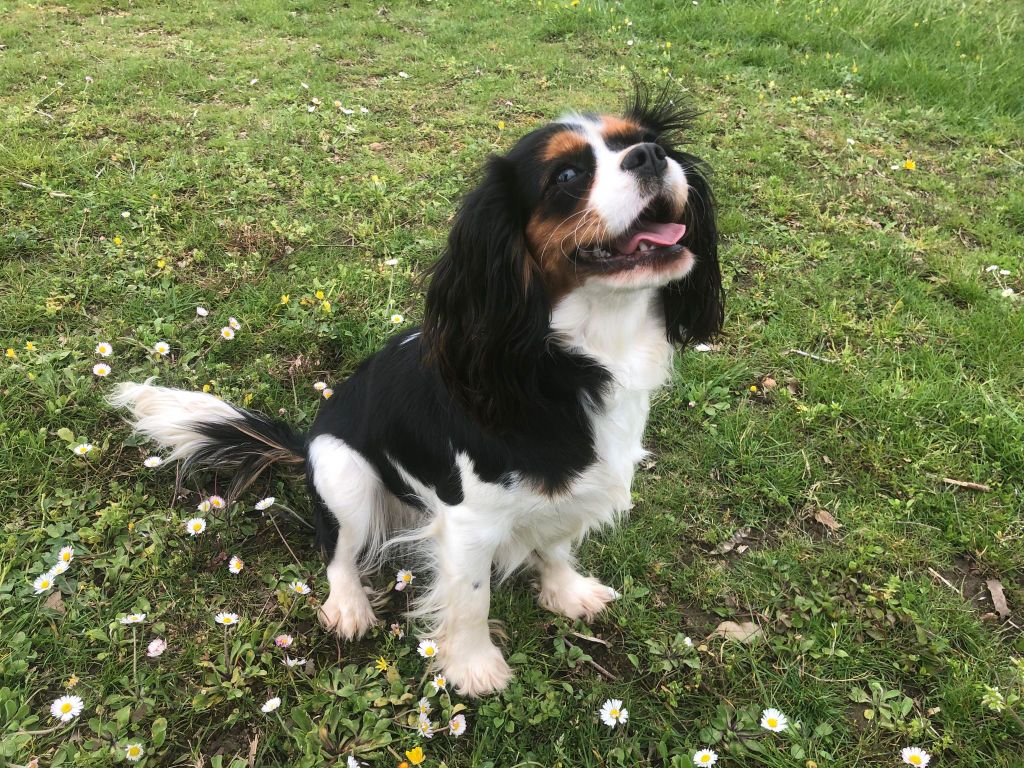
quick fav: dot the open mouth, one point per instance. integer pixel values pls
(646, 242)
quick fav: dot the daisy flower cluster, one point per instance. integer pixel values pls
(45, 582)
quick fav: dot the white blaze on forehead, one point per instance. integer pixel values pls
(615, 194)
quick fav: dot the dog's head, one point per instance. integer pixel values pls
(600, 198)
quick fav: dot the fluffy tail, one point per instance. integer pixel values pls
(205, 432)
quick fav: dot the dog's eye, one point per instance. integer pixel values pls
(566, 175)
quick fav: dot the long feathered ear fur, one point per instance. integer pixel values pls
(695, 305)
(487, 313)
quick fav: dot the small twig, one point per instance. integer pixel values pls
(285, 541)
(594, 664)
(811, 355)
(944, 580)
(967, 484)
(590, 639)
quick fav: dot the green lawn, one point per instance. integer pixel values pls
(868, 160)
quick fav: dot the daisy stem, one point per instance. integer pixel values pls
(226, 664)
(135, 662)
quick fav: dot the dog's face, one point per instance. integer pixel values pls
(609, 195)
(602, 198)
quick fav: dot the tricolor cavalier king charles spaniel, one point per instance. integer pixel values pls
(510, 424)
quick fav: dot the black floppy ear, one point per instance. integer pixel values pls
(695, 305)
(487, 313)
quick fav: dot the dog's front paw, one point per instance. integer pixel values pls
(479, 673)
(350, 617)
(576, 596)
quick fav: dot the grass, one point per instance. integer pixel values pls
(194, 120)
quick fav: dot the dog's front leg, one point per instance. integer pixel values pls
(460, 601)
(565, 590)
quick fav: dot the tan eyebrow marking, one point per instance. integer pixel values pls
(564, 144)
(615, 128)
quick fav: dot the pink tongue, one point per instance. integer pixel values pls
(655, 234)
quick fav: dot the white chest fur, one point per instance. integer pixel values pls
(623, 331)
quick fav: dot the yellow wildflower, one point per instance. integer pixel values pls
(909, 165)
(415, 755)
(382, 664)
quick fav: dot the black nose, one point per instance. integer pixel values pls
(646, 160)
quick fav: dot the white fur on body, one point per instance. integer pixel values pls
(496, 527)
(503, 527)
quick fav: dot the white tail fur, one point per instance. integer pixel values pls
(170, 416)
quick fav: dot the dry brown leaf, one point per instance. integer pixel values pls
(55, 602)
(768, 383)
(732, 542)
(995, 588)
(824, 517)
(745, 632)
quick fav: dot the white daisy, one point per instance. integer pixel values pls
(67, 708)
(101, 370)
(773, 720)
(300, 587)
(1004, 272)
(125, 214)
(43, 583)
(226, 618)
(705, 757)
(153, 461)
(266, 503)
(457, 725)
(915, 756)
(271, 704)
(133, 752)
(320, 386)
(283, 641)
(688, 642)
(427, 649)
(59, 568)
(195, 526)
(162, 348)
(612, 713)
(403, 75)
(66, 554)
(397, 631)
(234, 324)
(103, 349)
(217, 502)
(424, 707)
(327, 393)
(440, 682)
(227, 333)
(236, 564)
(426, 727)
(403, 579)
(992, 268)
(391, 262)
(290, 662)
(133, 618)
(364, 111)
(204, 505)
(82, 449)
(1007, 292)
(202, 311)
(351, 762)
(397, 319)
(156, 647)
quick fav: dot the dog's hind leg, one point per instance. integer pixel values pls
(348, 525)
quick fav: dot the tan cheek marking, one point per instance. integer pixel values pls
(552, 240)
(563, 144)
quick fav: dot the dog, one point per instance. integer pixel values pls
(496, 435)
